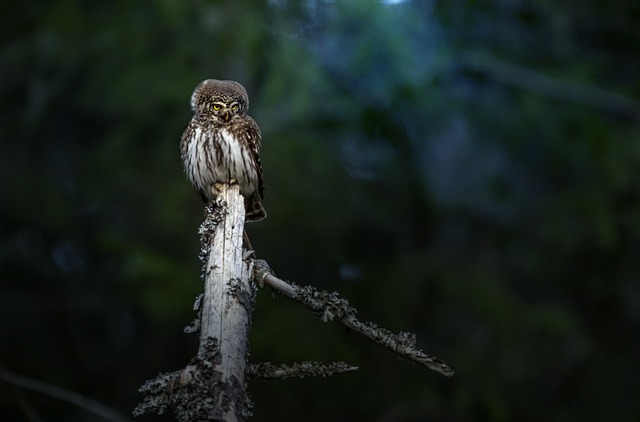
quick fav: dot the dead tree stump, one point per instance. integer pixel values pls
(227, 302)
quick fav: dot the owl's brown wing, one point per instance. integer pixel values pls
(253, 137)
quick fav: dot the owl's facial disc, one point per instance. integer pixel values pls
(225, 111)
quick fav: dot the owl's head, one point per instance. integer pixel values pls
(221, 100)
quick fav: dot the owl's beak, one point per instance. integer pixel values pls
(226, 116)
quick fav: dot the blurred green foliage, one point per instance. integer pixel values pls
(469, 171)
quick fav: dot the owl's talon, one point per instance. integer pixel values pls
(217, 188)
(218, 201)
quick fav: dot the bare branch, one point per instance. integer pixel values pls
(331, 307)
(298, 370)
(551, 87)
(26, 407)
(60, 393)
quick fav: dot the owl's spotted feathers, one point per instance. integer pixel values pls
(222, 144)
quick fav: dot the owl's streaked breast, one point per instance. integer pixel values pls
(217, 156)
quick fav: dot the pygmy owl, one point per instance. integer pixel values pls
(222, 144)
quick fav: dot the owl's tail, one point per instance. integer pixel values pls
(254, 209)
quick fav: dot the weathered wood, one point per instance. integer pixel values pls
(227, 303)
(213, 386)
(331, 307)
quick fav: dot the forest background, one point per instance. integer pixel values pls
(468, 171)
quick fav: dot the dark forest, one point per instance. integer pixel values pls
(467, 171)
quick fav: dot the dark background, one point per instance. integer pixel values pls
(468, 171)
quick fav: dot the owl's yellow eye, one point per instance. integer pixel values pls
(216, 107)
(234, 107)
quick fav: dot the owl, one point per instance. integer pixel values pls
(222, 144)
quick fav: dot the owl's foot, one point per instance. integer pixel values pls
(218, 201)
(217, 188)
